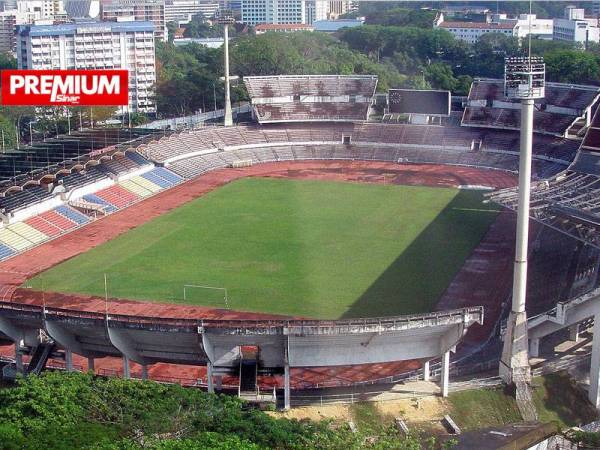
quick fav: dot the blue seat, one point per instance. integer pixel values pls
(73, 215)
(168, 175)
(157, 180)
(92, 198)
(5, 251)
(137, 158)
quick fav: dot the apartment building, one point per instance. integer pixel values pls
(95, 45)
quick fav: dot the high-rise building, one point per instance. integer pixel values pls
(337, 8)
(182, 11)
(95, 45)
(43, 9)
(8, 22)
(139, 10)
(273, 11)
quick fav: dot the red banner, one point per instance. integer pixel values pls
(65, 87)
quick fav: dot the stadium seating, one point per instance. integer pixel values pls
(118, 196)
(73, 215)
(108, 207)
(28, 232)
(6, 251)
(555, 113)
(310, 85)
(14, 240)
(306, 98)
(44, 226)
(135, 188)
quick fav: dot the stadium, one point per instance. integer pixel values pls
(311, 248)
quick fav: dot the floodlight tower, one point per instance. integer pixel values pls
(524, 80)
(226, 18)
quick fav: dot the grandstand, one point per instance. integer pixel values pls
(48, 158)
(311, 98)
(569, 201)
(563, 108)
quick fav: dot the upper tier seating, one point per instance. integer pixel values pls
(313, 85)
(554, 114)
(311, 97)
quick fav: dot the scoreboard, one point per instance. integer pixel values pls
(414, 101)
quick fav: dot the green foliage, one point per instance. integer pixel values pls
(572, 66)
(65, 411)
(199, 27)
(585, 439)
(403, 17)
(376, 247)
(557, 399)
(304, 53)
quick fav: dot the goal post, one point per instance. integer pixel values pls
(190, 287)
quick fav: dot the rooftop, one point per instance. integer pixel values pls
(478, 25)
(282, 26)
(84, 27)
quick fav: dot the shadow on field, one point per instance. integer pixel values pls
(414, 282)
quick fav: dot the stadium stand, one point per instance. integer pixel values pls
(71, 214)
(308, 98)
(59, 221)
(66, 152)
(569, 201)
(44, 226)
(562, 106)
(106, 206)
(118, 196)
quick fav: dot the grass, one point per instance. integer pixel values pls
(556, 396)
(297, 247)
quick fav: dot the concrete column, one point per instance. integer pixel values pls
(515, 357)
(445, 375)
(144, 372)
(19, 359)
(91, 366)
(227, 119)
(426, 371)
(594, 391)
(286, 387)
(574, 333)
(126, 371)
(534, 347)
(69, 360)
(209, 377)
(219, 382)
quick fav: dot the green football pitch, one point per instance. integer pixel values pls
(298, 247)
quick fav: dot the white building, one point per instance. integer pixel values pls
(472, 31)
(575, 27)
(95, 45)
(255, 12)
(527, 24)
(182, 11)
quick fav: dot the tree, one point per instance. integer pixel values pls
(572, 66)
(171, 29)
(440, 76)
